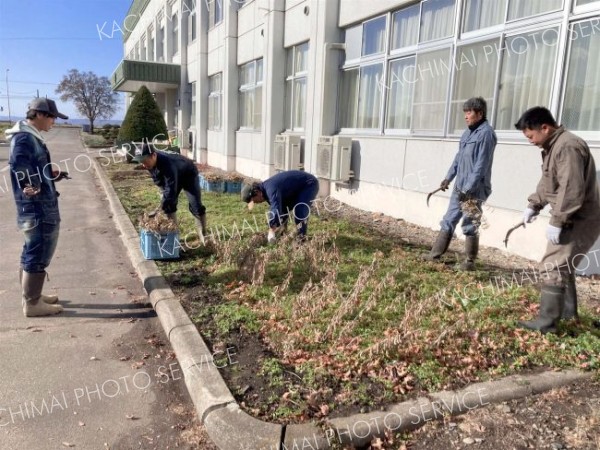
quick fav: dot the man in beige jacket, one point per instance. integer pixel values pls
(569, 186)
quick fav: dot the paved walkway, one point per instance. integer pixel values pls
(80, 379)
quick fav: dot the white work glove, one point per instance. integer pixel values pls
(529, 215)
(271, 238)
(553, 234)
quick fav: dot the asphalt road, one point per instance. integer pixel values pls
(100, 374)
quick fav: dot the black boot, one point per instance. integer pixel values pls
(439, 248)
(471, 250)
(570, 308)
(551, 305)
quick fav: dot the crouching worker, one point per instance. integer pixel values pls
(288, 194)
(173, 173)
(471, 171)
(569, 185)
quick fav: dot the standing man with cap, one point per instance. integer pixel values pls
(472, 172)
(288, 193)
(570, 187)
(36, 198)
(173, 173)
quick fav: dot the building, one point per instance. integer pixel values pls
(371, 86)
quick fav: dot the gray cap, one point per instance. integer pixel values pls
(45, 105)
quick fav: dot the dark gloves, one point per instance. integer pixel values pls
(445, 184)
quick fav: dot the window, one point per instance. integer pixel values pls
(483, 13)
(215, 95)
(143, 49)
(475, 67)
(349, 93)
(581, 109)
(584, 2)
(518, 9)
(192, 26)
(193, 104)
(525, 80)
(215, 12)
(175, 34)
(251, 80)
(295, 103)
(437, 19)
(136, 54)
(431, 77)
(400, 91)
(160, 44)
(150, 44)
(405, 27)
(373, 38)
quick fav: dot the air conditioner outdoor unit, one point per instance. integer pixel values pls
(333, 158)
(286, 152)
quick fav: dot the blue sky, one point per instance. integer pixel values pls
(41, 40)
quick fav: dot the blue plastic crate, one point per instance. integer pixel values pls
(215, 186)
(202, 182)
(159, 246)
(233, 187)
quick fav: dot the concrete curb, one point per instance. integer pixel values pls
(231, 428)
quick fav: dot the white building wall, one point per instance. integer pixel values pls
(392, 174)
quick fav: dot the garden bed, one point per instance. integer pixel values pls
(353, 319)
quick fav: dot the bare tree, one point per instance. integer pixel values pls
(91, 94)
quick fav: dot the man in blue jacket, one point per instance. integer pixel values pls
(32, 178)
(289, 194)
(173, 173)
(472, 172)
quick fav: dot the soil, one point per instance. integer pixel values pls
(568, 418)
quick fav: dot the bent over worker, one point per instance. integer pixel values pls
(472, 172)
(288, 194)
(173, 173)
(569, 186)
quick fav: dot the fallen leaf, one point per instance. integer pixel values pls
(93, 358)
(132, 417)
(81, 424)
(68, 444)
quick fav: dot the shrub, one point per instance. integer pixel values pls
(143, 121)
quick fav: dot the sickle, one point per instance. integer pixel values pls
(431, 193)
(521, 224)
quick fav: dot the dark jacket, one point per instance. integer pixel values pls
(282, 192)
(30, 164)
(173, 173)
(472, 165)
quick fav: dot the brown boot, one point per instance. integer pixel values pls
(50, 299)
(471, 250)
(551, 305)
(570, 308)
(439, 248)
(33, 305)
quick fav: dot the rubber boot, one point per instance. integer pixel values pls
(50, 299)
(570, 308)
(471, 250)
(551, 305)
(173, 216)
(32, 292)
(201, 226)
(441, 245)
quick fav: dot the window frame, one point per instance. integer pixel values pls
(215, 13)
(252, 87)
(216, 96)
(292, 78)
